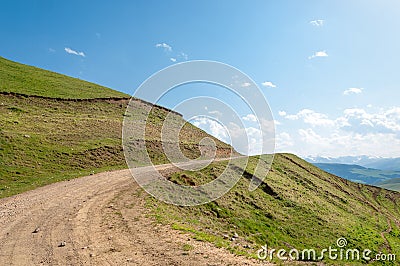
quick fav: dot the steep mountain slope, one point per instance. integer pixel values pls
(29, 80)
(62, 134)
(72, 129)
(297, 206)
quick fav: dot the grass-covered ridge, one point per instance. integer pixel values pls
(298, 206)
(54, 137)
(29, 80)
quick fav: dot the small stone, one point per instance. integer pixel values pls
(233, 239)
(246, 246)
(27, 136)
(92, 255)
(235, 235)
(225, 236)
(62, 244)
(37, 229)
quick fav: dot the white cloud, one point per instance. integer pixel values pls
(267, 126)
(353, 119)
(311, 117)
(213, 127)
(283, 141)
(215, 113)
(310, 136)
(51, 50)
(166, 47)
(340, 143)
(70, 51)
(250, 117)
(183, 56)
(246, 140)
(172, 55)
(282, 113)
(353, 91)
(246, 84)
(268, 84)
(318, 54)
(383, 121)
(317, 22)
(356, 131)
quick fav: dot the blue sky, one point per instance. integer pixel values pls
(329, 68)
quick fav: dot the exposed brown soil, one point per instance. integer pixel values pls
(96, 220)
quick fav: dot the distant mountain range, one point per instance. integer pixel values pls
(358, 173)
(381, 163)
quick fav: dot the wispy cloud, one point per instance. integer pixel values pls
(353, 91)
(318, 54)
(70, 51)
(283, 141)
(282, 113)
(172, 55)
(51, 50)
(213, 127)
(250, 118)
(354, 131)
(164, 45)
(310, 117)
(268, 84)
(317, 22)
(215, 113)
(183, 56)
(246, 84)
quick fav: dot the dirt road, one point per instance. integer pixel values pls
(96, 220)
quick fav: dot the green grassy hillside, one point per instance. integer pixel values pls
(29, 80)
(66, 133)
(298, 206)
(44, 140)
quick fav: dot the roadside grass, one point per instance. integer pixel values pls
(298, 206)
(43, 141)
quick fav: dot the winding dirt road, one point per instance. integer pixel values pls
(96, 220)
